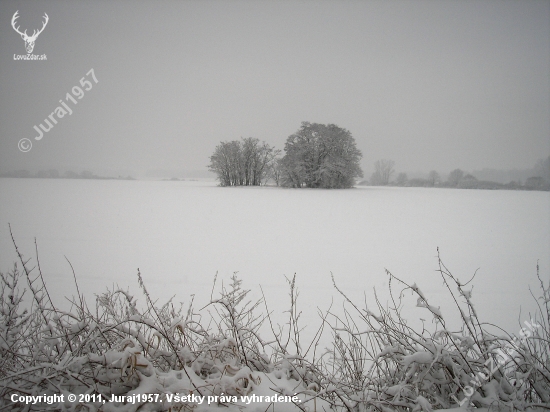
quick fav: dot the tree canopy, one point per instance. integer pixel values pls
(320, 156)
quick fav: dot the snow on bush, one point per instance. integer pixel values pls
(158, 358)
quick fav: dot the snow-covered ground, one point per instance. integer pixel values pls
(179, 234)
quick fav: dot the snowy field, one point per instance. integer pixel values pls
(179, 234)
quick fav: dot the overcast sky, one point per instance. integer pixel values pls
(429, 84)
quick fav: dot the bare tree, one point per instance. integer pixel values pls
(401, 179)
(225, 162)
(383, 171)
(455, 177)
(277, 170)
(542, 169)
(434, 177)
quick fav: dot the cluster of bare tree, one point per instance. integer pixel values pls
(457, 178)
(245, 162)
(317, 155)
(320, 155)
(383, 171)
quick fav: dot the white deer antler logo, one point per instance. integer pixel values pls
(29, 40)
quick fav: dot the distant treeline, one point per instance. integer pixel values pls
(470, 182)
(54, 174)
(537, 178)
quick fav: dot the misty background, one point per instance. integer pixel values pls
(432, 85)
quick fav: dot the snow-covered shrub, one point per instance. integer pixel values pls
(380, 363)
(118, 348)
(376, 362)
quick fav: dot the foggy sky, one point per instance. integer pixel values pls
(430, 84)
